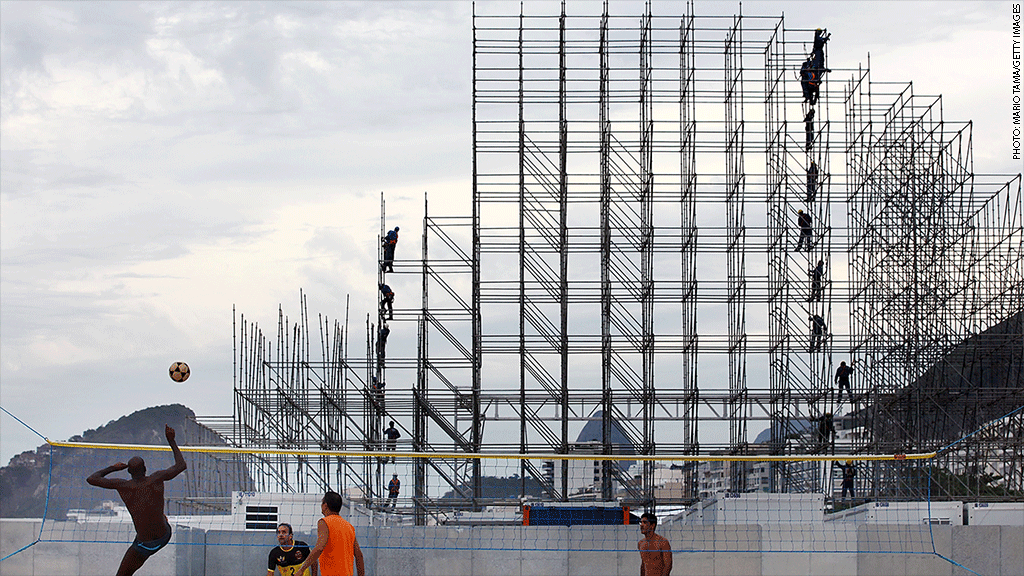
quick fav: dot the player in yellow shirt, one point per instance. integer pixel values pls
(289, 554)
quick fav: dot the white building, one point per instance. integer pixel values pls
(584, 476)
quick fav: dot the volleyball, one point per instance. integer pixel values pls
(179, 372)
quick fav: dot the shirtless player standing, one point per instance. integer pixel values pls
(655, 551)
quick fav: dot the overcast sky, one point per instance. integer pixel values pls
(163, 162)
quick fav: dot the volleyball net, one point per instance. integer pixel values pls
(519, 500)
(463, 503)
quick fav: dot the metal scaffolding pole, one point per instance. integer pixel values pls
(777, 189)
(563, 251)
(736, 248)
(688, 237)
(647, 250)
(605, 129)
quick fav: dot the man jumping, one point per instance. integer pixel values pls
(144, 497)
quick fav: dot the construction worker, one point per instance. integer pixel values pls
(391, 435)
(812, 181)
(817, 332)
(821, 36)
(806, 229)
(382, 340)
(393, 487)
(377, 388)
(809, 129)
(809, 82)
(817, 285)
(387, 300)
(813, 69)
(826, 429)
(849, 473)
(843, 380)
(389, 242)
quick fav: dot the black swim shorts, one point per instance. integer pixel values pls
(147, 549)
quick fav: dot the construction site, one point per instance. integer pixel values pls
(690, 235)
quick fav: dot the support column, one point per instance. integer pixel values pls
(735, 182)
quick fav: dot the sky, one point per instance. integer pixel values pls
(164, 163)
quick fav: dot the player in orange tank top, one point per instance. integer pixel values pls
(336, 544)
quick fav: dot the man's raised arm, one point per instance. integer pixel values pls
(98, 478)
(179, 460)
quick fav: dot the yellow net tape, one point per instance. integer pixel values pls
(505, 456)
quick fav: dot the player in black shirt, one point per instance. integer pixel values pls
(289, 555)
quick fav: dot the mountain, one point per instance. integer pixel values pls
(495, 487)
(592, 432)
(25, 491)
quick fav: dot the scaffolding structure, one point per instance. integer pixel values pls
(623, 232)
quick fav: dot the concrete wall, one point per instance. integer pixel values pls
(84, 558)
(859, 550)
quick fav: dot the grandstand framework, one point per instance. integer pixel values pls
(633, 257)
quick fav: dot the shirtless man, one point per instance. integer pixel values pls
(655, 551)
(144, 497)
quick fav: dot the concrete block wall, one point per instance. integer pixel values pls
(988, 550)
(710, 550)
(75, 558)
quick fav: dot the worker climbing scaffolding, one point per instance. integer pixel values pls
(389, 242)
(809, 130)
(387, 301)
(378, 412)
(377, 387)
(813, 69)
(812, 181)
(817, 276)
(382, 341)
(817, 332)
(815, 146)
(805, 222)
(842, 379)
(826, 428)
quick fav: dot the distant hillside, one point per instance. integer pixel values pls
(494, 487)
(23, 482)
